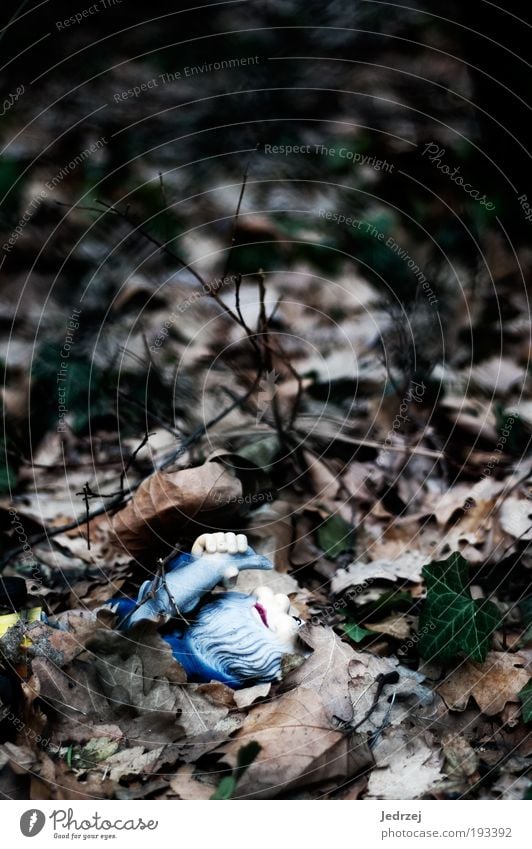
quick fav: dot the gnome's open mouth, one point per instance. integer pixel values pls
(262, 613)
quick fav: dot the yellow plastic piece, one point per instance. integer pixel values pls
(27, 616)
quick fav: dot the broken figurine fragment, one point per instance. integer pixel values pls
(232, 637)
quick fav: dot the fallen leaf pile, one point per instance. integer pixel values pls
(327, 349)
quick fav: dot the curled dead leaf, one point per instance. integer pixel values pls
(167, 503)
(407, 766)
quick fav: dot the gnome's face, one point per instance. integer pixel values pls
(273, 610)
(238, 639)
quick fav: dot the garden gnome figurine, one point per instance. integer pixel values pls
(233, 637)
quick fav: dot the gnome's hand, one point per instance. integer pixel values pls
(214, 559)
(220, 543)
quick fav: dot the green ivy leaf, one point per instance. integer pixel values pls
(262, 452)
(525, 606)
(356, 632)
(335, 536)
(8, 477)
(226, 788)
(246, 756)
(452, 623)
(526, 700)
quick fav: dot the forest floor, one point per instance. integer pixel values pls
(351, 389)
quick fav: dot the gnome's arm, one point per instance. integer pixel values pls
(214, 559)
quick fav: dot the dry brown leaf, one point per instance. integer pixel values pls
(20, 758)
(65, 731)
(512, 787)
(492, 684)
(166, 503)
(53, 779)
(298, 747)
(74, 694)
(399, 537)
(245, 697)
(476, 535)
(136, 293)
(330, 490)
(524, 411)
(346, 681)
(135, 684)
(406, 567)
(497, 375)
(59, 647)
(129, 763)
(515, 516)
(273, 535)
(403, 699)
(362, 480)
(480, 428)
(325, 671)
(406, 766)
(189, 788)
(461, 759)
(396, 626)
(278, 582)
(142, 676)
(445, 504)
(355, 790)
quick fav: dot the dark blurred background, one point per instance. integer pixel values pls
(381, 80)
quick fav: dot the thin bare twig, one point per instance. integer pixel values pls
(121, 498)
(150, 414)
(87, 494)
(125, 216)
(235, 221)
(237, 317)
